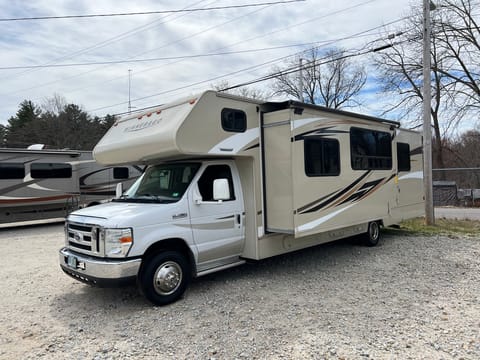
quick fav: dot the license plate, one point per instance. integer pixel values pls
(72, 261)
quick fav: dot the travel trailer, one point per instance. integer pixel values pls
(231, 179)
(38, 184)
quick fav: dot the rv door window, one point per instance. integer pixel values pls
(370, 149)
(234, 120)
(322, 157)
(12, 171)
(51, 170)
(403, 156)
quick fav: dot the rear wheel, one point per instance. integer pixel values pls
(164, 277)
(372, 236)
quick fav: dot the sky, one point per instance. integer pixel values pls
(100, 63)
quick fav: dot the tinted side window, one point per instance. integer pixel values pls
(234, 120)
(120, 173)
(322, 157)
(51, 170)
(403, 156)
(205, 183)
(370, 149)
(12, 171)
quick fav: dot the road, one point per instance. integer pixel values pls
(457, 213)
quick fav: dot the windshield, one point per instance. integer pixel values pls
(164, 183)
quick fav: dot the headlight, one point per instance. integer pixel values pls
(117, 242)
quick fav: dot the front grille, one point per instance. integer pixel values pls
(84, 238)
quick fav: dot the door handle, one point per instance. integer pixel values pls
(238, 219)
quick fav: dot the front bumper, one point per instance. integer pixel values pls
(100, 272)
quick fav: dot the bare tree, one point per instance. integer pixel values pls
(244, 91)
(400, 72)
(457, 31)
(332, 80)
(55, 104)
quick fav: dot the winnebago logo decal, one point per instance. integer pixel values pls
(142, 125)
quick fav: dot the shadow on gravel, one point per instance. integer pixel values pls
(80, 303)
(321, 258)
(84, 300)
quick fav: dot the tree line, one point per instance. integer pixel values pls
(57, 124)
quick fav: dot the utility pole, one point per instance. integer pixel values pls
(300, 81)
(427, 127)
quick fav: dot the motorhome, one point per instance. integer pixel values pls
(38, 184)
(231, 179)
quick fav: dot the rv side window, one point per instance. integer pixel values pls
(12, 171)
(234, 120)
(370, 149)
(51, 170)
(403, 156)
(322, 157)
(211, 173)
(120, 173)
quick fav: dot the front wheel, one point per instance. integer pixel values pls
(164, 277)
(372, 236)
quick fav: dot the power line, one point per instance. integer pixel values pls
(149, 12)
(287, 71)
(295, 68)
(192, 35)
(121, 36)
(325, 43)
(263, 64)
(157, 48)
(283, 58)
(180, 57)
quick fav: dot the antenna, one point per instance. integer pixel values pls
(129, 88)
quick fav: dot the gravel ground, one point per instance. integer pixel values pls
(408, 298)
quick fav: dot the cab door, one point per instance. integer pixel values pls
(217, 226)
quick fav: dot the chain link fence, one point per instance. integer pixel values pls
(456, 187)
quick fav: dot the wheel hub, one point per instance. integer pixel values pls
(167, 278)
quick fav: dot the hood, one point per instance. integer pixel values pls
(122, 214)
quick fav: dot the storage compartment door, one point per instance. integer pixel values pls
(278, 190)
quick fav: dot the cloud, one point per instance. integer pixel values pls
(181, 34)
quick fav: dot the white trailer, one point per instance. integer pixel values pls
(46, 184)
(231, 179)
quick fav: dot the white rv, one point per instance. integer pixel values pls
(45, 184)
(231, 179)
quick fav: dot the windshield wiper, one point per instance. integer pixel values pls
(144, 198)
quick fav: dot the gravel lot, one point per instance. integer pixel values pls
(408, 298)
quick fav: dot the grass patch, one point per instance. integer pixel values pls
(441, 227)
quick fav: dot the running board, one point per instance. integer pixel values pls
(218, 268)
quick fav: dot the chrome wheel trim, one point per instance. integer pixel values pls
(167, 278)
(374, 231)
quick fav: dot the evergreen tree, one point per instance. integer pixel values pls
(20, 129)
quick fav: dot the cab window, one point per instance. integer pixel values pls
(211, 173)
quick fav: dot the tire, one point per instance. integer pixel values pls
(372, 236)
(164, 277)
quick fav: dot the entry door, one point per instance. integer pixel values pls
(410, 169)
(218, 226)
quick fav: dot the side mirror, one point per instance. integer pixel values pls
(119, 190)
(221, 190)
